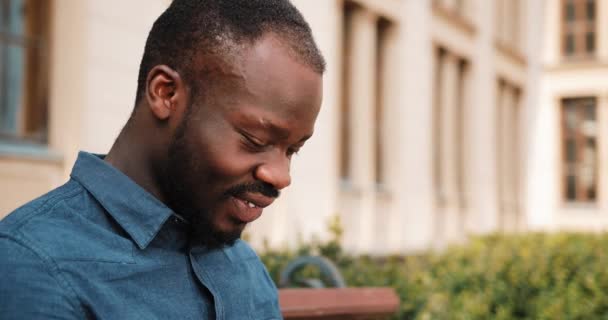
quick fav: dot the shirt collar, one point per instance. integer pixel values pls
(138, 212)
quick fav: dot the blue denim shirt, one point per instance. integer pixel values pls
(101, 247)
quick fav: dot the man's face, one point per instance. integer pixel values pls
(231, 154)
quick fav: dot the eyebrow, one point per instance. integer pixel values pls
(282, 133)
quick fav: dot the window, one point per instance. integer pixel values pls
(367, 42)
(23, 70)
(345, 109)
(578, 28)
(451, 80)
(384, 29)
(508, 153)
(579, 146)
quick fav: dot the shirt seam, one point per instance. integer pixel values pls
(49, 204)
(217, 297)
(50, 266)
(47, 261)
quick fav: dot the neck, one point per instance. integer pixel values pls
(133, 158)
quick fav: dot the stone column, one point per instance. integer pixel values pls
(389, 220)
(508, 158)
(362, 64)
(516, 159)
(466, 118)
(449, 149)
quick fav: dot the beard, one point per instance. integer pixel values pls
(181, 185)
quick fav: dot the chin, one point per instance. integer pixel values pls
(211, 236)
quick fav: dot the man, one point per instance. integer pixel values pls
(228, 91)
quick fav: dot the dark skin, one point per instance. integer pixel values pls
(219, 156)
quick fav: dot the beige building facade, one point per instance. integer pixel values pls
(571, 119)
(441, 118)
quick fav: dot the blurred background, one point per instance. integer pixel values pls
(441, 119)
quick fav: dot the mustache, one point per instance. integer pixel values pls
(264, 188)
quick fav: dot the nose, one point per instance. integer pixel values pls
(275, 172)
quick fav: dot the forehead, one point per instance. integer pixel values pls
(273, 86)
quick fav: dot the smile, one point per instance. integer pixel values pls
(249, 207)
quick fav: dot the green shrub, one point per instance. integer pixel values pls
(531, 276)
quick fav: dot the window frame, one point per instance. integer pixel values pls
(579, 29)
(580, 103)
(31, 111)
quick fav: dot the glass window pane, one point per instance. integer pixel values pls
(590, 9)
(571, 188)
(571, 151)
(569, 44)
(571, 117)
(570, 13)
(11, 65)
(590, 109)
(586, 174)
(3, 13)
(590, 41)
(589, 125)
(580, 149)
(23, 69)
(11, 80)
(589, 165)
(11, 16)
(591, 194)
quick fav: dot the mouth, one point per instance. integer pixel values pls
(249, 207)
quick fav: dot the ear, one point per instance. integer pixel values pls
(164, 91)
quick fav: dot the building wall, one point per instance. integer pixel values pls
(95, 58)
(95, 53)
(563, 78)
(406, 213)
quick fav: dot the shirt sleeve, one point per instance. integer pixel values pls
(28, 290)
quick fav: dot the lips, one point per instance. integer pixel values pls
(249, 207)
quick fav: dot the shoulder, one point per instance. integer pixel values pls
(40, 209)
(46, 220)
(66, 224)
(25, 233)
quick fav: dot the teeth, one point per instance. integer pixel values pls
(251, 205)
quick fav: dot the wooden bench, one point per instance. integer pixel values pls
(338, 303)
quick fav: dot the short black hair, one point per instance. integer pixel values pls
(213, 27)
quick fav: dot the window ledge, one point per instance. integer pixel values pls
(580, 207)
(455, 19)
(590, 64)
(348, 187)
(381, 191)
(28, 151)
(586, 58)
(511, 52)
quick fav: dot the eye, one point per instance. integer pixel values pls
(253, 143)
(292, 151)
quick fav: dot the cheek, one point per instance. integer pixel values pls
(224, 158)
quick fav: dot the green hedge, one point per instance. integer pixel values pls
(532, 276)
